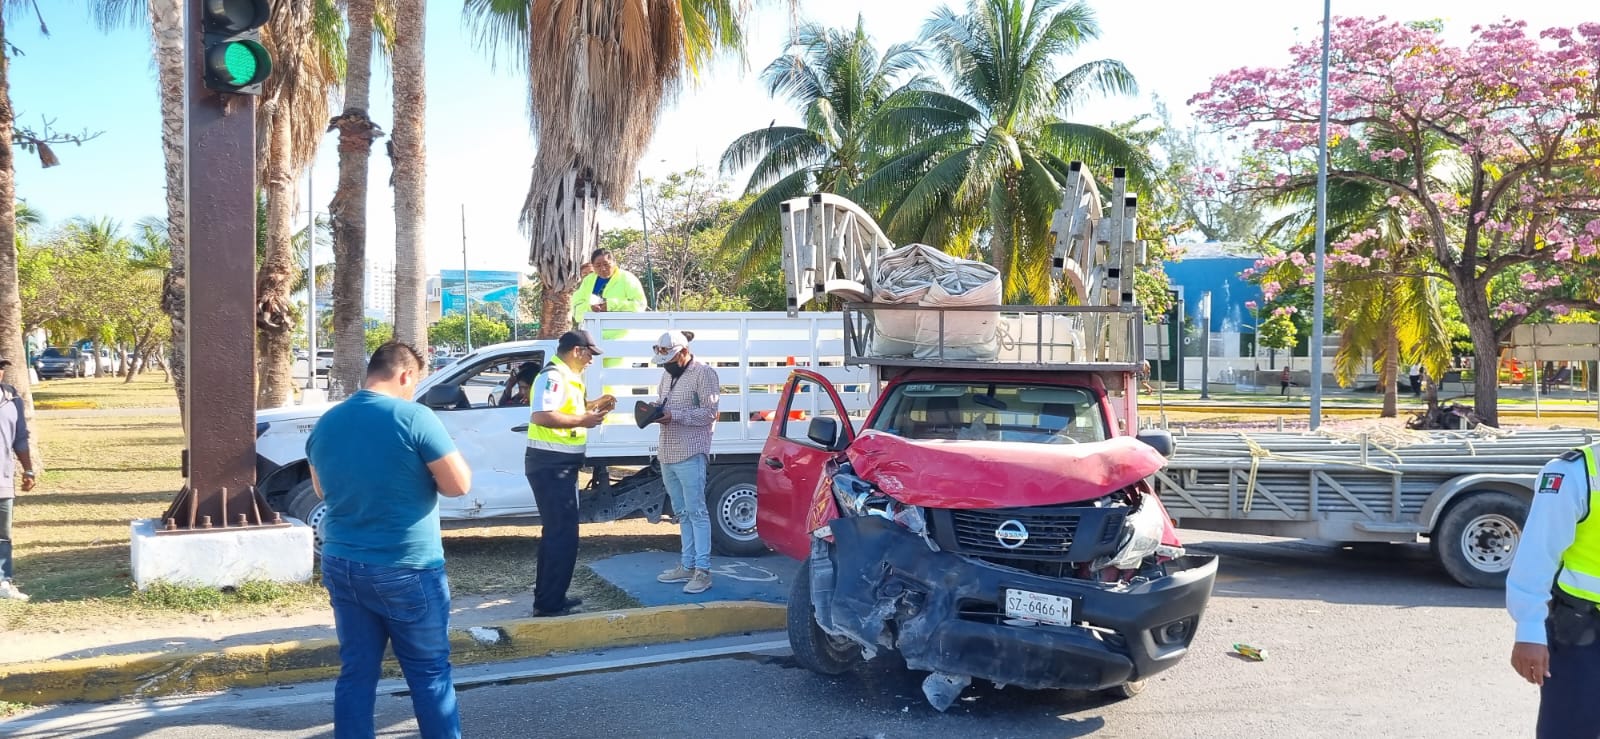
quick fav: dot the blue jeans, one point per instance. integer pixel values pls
(686, 488)
(5, 538)
(374, 606)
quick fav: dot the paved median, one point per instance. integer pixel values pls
(158, 674)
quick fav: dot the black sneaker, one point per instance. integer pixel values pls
(566, 608)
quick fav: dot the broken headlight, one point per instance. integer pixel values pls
(858, 497)
(1141, 538)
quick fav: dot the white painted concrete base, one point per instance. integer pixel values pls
(313, 396)
(221, 559)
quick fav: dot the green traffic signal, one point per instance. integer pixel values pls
(237, 64)
(234, 60)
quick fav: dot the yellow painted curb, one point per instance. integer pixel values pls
(151, 675)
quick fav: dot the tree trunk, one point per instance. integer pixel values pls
(166, 30)
(274, 303)
(1001, 238)
(1473, 297)
(348, 210)
(1389, 374)
(410, 170)
(11, 343)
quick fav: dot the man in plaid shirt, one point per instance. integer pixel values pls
(689, 392)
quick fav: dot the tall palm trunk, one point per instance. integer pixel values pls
(274, 305)
(349, 207)
(1389, 372)
(410, 169)
(11, 346)
(166, 30)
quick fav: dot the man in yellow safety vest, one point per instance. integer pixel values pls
(558, 432)
(1553, 595)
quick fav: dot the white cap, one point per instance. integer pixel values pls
(670, 345)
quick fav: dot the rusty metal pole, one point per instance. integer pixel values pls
(220, 188)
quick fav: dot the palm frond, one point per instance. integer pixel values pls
(499, 28)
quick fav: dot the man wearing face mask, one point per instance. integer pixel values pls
(689, 394)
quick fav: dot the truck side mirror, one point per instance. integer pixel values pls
(1158, 440)
(824, 432)
(439, 397)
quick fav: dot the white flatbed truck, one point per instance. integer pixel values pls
(753, 354)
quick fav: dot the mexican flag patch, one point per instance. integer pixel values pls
(1550, 482)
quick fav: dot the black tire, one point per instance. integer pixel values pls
(731, 500)
(1477, 537)
(1124, 691)
(306, 505)
(813, 648)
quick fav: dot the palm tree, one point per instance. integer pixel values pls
(1389, 308)
(307, 43)
(841, 87)
(348, 210)
(993, 153)
(598, 71)
(409, 159)
(166, 33)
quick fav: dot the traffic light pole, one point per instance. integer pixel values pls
(219, 461)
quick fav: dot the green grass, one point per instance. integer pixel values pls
(149, 390)
(9, 708)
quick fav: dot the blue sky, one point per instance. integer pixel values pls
(479, 149)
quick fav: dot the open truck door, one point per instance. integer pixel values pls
(811, 427)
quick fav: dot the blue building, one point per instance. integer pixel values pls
(1207, 267)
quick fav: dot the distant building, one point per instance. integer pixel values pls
(379, 289)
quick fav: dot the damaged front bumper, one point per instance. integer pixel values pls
(880, 586)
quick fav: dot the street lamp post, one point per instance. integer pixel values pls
(311, 292)
(466, 279)
(1205, 345)
(1320, 259)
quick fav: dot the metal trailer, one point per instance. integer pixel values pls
(1467, 492)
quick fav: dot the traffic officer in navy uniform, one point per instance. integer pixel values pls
(1553, 595)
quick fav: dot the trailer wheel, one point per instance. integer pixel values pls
(306, 505)
(1477, 537)
(813, 648)
(731, 500)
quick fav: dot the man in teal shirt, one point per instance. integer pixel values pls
(380, 462)
(608, 289)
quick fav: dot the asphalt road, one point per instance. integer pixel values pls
(1373, 642)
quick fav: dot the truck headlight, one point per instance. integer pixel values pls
(1144, 527)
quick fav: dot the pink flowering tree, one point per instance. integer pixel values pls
(1496, 142)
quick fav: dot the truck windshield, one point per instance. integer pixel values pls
(992, 412)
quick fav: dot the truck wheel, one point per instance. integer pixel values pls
(1477, 537)
(731, 500)
(813, 648)
(1124, 691)
(306, 505)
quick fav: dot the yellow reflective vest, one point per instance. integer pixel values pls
(1580, 564)
(556, 377)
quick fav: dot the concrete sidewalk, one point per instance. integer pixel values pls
(196, 655)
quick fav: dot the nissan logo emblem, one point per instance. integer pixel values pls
(1011, 534)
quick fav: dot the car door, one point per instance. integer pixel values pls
(792, 464)
(492, 439)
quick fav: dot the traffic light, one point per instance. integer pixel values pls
(235, 61)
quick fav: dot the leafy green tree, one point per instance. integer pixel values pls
(452, 330)
(1277, 332)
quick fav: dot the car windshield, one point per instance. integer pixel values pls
(52, 353)
(992, 412)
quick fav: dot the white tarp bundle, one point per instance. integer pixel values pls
(918, 274)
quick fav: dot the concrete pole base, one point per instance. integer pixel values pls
(222, 558)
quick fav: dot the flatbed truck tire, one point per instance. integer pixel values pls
(1124, 691)
(812, 647)
(731, 501)
(1477, 537)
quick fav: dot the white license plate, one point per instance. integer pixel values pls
(1031, 606)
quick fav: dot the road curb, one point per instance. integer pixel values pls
(153, 675)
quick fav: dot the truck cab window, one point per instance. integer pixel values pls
(968, 412)
(479, 386)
